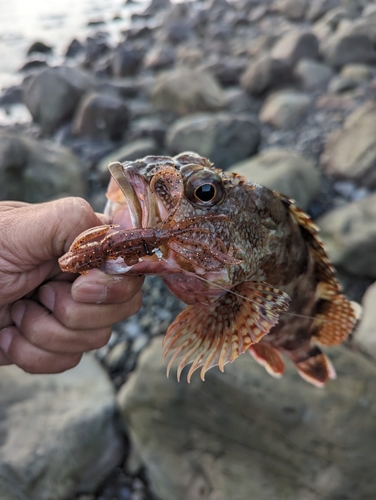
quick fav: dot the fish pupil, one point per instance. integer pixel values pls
(206, 192)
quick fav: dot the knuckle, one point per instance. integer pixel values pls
(100, 338)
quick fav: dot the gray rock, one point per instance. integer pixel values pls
(126, 60)
(351, 152)
(35, 171)
(101, 116)
(312, 74)
(296, 45)
(349, 234)
(320, 7)
(283, 171)
(186, 90)
(243, 434)
(222, 137)
(130, 151)
(365, 334)
(342, 48)
(293, 9)
(357, 72)
(53, 94)
(366, 26)
(285, 109)
(266, 73)
(57, 432)
(339, 84)
(159, 57)
(239, 101)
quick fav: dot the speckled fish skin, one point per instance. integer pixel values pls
(278, 296)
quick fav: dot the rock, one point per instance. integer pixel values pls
(101, 116)
(159, 57)
(312, 74)
(11, 95)
(293, 9)
(238, 101)
(40, 47)
(245, 432)
(58, 432)
(339, 84)
(74, 48)
(130, 151)
(320, 7)
(349, 234)
(357, 72)
(126, 60)
(285, 109)
(341, 49)
(35, 171)
(266, 73)
(351, 152)
(366, 26)
(186, 90)
(296, 45)
(157, 6)
(365, 336)
(283, 171)
(222, 137)
(53, 94)
(34, 63)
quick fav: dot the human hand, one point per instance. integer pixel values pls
(48, 319)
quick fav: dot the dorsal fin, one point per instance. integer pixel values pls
(336, 316)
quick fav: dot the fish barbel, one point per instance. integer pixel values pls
(246, 260)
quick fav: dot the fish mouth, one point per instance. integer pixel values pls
(145, 209)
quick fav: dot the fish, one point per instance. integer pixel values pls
(246, 260)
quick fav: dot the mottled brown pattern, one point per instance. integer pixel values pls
(249, 263)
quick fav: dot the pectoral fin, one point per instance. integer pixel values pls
(217, 334)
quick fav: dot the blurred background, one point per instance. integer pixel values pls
(281, 91)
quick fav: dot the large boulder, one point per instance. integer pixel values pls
(283, 171)
(35, 171)
(223, 138)
(349, 234)
(242, 434)
(53, 94)
(351, 151)
(186, 90)
(57, 432)
(266, 73)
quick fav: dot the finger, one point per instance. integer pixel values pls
(40, 327)
(56, 297)
(32, 359)
(4, 360)
(98, 287)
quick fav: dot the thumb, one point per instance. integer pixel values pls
(33, 234)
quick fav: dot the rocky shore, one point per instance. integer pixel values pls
(281, 91)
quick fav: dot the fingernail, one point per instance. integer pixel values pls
(18, 311)
(47, 296)
(6, 337)
(90, 291)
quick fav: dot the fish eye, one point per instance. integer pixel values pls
(204, 188)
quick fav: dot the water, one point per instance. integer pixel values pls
(55, 22)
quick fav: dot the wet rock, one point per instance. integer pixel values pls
(186, 90)
(293, 9)
(365, 336)
(101, 116)
(243, 431)
(349, 234)
(266, 73)
(130, 151)
(74, 48)
(285, 109)
(52, 95)
(33, 64)
(58, 432)
(126, 60)
(283, 171)
(312, 74)
(342, 48)
(95, 48)
(157, 6)
(351, 152)
(221, 137)
(11, 95)
(40, 47)
(296, 45)
(35, 171)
